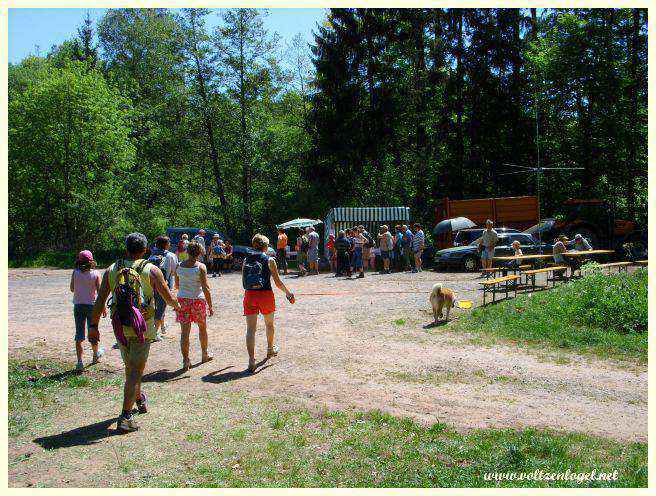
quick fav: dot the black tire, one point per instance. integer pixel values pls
(470, 263)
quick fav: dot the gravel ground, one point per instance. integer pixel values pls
(363, 344)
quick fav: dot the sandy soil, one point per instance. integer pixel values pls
(361, 349)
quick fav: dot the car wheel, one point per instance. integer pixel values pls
(470, 264)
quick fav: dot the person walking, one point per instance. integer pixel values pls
(488, 241)
(168, 263)
(134, 350)
(257, 271)
(281, 250)
(85, 283)
(195, 302)
(418, 243)
(313, 250)
(386, 244)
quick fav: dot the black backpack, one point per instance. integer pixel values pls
(370, 240)
(253, 273)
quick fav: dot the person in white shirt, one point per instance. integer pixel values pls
(195, 301)
(418, 243)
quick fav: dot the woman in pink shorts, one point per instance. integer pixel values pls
(195, 300)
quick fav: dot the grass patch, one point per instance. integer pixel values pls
(37, 387)
(399, 322)
(345, 449)
(229, 440)
(601, 314)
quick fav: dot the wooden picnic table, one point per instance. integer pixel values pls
(522, 257)
(587, 253)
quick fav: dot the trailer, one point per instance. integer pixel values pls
(370, 217)
(518, 212)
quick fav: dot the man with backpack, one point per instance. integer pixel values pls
(132, 283)
(200, 239)
(167, 262)
(368, 245)
(407, 247)
(257, 271)
(342, 247)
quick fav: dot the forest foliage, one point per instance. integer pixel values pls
(149, 118)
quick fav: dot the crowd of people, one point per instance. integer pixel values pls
(137, 289)
(354, 250)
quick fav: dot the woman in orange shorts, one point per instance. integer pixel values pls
(257, 271)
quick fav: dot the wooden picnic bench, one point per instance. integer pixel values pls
(620, 265)
(491, 285)
(504, 270)
(547, 270)
(642, 263)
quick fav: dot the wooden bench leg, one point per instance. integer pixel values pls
(494, 293)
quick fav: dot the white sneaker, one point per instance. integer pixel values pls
(96, 358)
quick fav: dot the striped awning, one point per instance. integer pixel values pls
(369, 214)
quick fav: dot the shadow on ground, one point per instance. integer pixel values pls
(81, 436)
(217, 377)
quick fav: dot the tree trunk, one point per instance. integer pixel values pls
(460, 145)
(632, 168)
(209, 130)
(420, 112)
(246, 166)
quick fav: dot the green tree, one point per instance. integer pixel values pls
(69, 153)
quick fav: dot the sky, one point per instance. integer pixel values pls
(43, 28)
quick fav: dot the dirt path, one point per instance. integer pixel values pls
(363, 350)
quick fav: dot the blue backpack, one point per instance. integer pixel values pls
(253, 273)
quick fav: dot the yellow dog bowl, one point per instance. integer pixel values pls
(466, 304)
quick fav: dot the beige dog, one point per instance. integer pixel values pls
(440, 298)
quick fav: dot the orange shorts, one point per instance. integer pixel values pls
(259, 302)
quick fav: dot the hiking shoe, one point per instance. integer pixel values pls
(96, 357)
(361, 275)
(158, 337)
(252, 366)
(271, 352)
(142, 403)
(126, 424)
(80, 366)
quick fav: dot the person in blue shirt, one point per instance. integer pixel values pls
(407, 247)
(398, 248)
